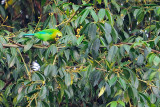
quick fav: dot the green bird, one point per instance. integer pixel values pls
(47, 35)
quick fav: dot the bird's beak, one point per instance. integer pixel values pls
(58, 36)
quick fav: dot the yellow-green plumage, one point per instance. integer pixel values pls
(47, 34)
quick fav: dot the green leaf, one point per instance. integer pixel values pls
(8, 89)
(95, 48)
(114, 35)
(41, 77)
(151, 58)
(156, 60)
(108, 89)
(28, 45)
(20, 97)
(148, 100)
(122, 103)
(53, 49)
(140, 17)
(43, 92)
(85, 14)
(43, 2)
(108, 38)
(103, 42)
(127, 48)
(157, 39)
(158, 11)
(47, 70)
(67, 54)
(153, 98)
(4, 100)
(112, 81)
(99, 1)
(108, 28)
(54, 70)
(123, 83)
(116, 5)
(45, 104)
(106, 3)
(126, 34)
(111, 53)
(109, 15)
(113, 104)
(40, 104)
(2, 11)
(79, 40)
(67, 79)
(69, 30)
(92, 31)
(2, 83)
(152, 75)
(101, 14)
(94, 15)
(119, 21)
(140, 59)
(75, 7)
(136, 13)
(12, 61)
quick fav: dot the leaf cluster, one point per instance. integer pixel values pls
(108, 55)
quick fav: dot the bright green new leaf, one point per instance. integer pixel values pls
(109, 15)
(79, 40)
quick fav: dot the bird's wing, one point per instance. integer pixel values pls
(43, 36)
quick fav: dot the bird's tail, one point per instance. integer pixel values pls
(29, 34)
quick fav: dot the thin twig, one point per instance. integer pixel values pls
(67, 21)
(28, 73)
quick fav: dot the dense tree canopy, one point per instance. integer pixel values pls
(109, 54)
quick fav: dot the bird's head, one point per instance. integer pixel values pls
(58, 35)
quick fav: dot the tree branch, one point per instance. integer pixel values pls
(19, 45)
(45, 47)
(155, 51)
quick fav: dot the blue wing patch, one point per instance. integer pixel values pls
(44, 32)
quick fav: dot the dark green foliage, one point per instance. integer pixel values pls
(108, 55)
